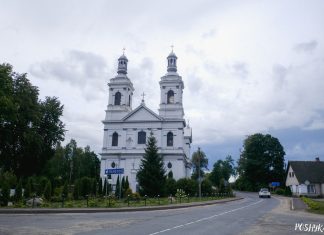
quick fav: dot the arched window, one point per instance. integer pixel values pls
(170, 98)
(141, 137)
(117, 98)
(115, 139)
(170, 139)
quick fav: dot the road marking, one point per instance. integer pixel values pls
(203, 219)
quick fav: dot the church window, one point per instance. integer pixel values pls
(141, 137)
(170, 97)
(113, 165)
(117, 98)
(169, 165)
(170, 139)
(115, 139)
(129, 100)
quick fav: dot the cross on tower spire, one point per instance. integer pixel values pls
(143, 95)
(124, 50)
(172, 47)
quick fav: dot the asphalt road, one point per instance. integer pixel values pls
(248, 216)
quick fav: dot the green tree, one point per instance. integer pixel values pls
(29, 128)
(199, 163)
(190, 186)
(151, 175)
(28, 188)
(261, 162)
(171, 186)
(48, 190)
(5, 194)
(123, 189)
(65, 190)
(94, 187)
(222, 170)
(117, 191)
(18, 192)
(100, 192)
(85, 186)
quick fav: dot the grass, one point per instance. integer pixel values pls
(314, 206)
(119, 203)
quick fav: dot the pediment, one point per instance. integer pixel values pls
(142, 113)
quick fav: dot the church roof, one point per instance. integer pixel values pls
(150, 115)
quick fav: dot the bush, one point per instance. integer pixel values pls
(5, 194)
(189, 186)
(48, 190)
(171, 186)
(280, 191)
(311, 204)
(18, 192)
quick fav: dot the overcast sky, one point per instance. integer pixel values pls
(248, 66)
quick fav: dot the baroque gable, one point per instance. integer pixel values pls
(142, 113)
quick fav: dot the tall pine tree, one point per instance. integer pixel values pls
(151, 175)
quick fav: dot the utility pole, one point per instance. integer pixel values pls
(199, 180)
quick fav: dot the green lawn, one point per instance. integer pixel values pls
(314, 205)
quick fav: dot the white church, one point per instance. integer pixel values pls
(126, 130)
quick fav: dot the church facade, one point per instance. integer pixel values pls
(126, 130)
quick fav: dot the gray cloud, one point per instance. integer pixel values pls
(239, 69)
(211, 33)
(80, 69)
(279, 74)
(306, 47)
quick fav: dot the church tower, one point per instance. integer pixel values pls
(120, 92)
(171, 86)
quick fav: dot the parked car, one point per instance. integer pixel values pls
(264, 192)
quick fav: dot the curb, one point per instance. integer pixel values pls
(101, 210)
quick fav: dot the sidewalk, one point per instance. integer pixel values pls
(297, 204)
(100, 210)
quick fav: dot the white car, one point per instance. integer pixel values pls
(264, 192)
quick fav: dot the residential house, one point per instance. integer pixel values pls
(306, 178)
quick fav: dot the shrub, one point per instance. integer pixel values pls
(18, 193)
(190, 186)
(48, 190)
(311, 204)
(280, 191)
(5, 194)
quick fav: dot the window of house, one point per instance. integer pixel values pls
(170, 99)
(170, 139)
(311, 188)
(117, 98)
(292, 174)
(115, 139)
(141, 137)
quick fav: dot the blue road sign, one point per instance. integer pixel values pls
(275, 184)
(114, 171)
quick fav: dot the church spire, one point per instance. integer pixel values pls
(172, 61)
(122, 64)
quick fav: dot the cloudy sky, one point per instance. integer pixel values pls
(248, 66)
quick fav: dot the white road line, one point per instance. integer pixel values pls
(203, 219)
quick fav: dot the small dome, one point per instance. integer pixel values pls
(172, 54)
(123, 57)
(122, 64)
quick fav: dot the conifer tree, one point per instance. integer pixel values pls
(117, 188)
(18, 193)
(126, 183)
(151, 175)
(100, 187)
(104, 190)
(123, 189)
